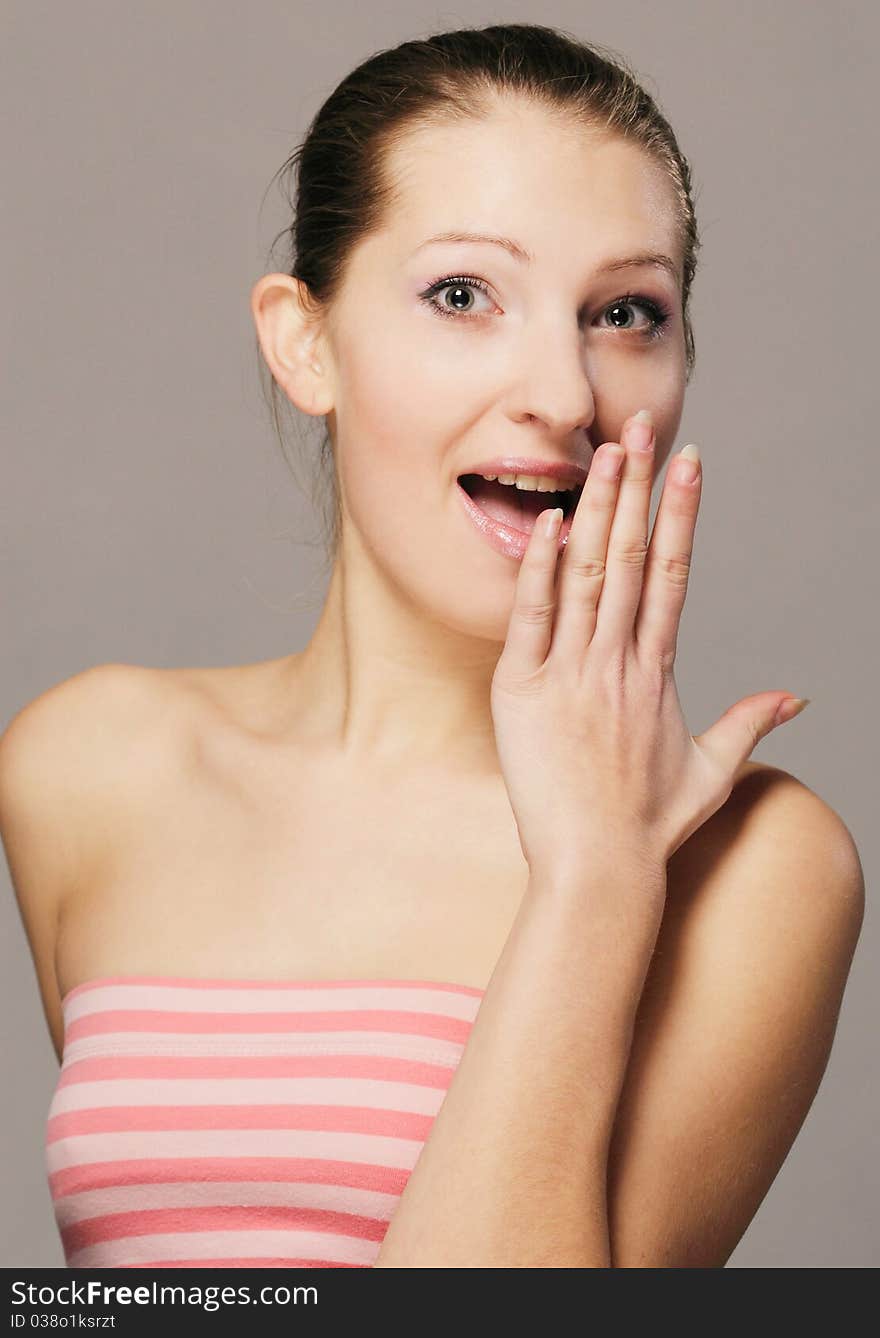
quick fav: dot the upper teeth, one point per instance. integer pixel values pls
(533, 482)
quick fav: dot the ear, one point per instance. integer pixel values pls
(290, 336)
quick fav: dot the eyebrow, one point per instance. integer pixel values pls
(656, 258)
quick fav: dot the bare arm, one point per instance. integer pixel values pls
(735, 1024)
(593, 745)
(513, 1174)
(43, 818)
(60, 791)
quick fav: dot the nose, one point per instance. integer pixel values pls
(554, 387)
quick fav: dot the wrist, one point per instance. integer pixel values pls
(604, 917)
(604, 893)
(588, 868)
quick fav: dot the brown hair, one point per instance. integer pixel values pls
(342, 193)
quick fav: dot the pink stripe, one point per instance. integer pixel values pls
(386, 1067)
(152, 1222)
(191, 982)
(378, 1020)
(278, 1170)
(274, 1262)
(328, 1119)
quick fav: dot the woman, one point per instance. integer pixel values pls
(442, 941)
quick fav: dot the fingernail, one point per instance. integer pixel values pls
(553, 522)
(791, 707)
(640, 432)
(686, 472)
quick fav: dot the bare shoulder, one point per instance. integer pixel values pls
(789, 819)
(59, 745)
(774, 831)
(87, 754)
(74, 757)
(69, 761)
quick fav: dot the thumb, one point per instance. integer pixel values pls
(733, 738)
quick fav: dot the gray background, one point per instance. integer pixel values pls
(148, 516)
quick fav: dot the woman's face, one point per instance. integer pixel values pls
(539, 360)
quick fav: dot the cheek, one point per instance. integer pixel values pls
(387, 458)
(400, 410)
(655, 382)
(383, 398)
(396, 426)
(668, 411)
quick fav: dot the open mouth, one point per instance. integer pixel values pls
(517, 508)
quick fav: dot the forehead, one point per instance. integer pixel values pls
(535, 174)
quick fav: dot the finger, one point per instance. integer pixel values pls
(534, 601)
(734, 737)
(582, 569)
(669, 557)
(628, 541)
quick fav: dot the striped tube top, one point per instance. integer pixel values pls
(244, 1124)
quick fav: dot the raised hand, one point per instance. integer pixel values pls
(591, 738)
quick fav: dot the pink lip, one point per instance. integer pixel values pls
(504, 538)
(564, 470)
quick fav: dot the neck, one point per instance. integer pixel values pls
(386, 684)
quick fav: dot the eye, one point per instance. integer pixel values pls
(658, 315)
(457, 287)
